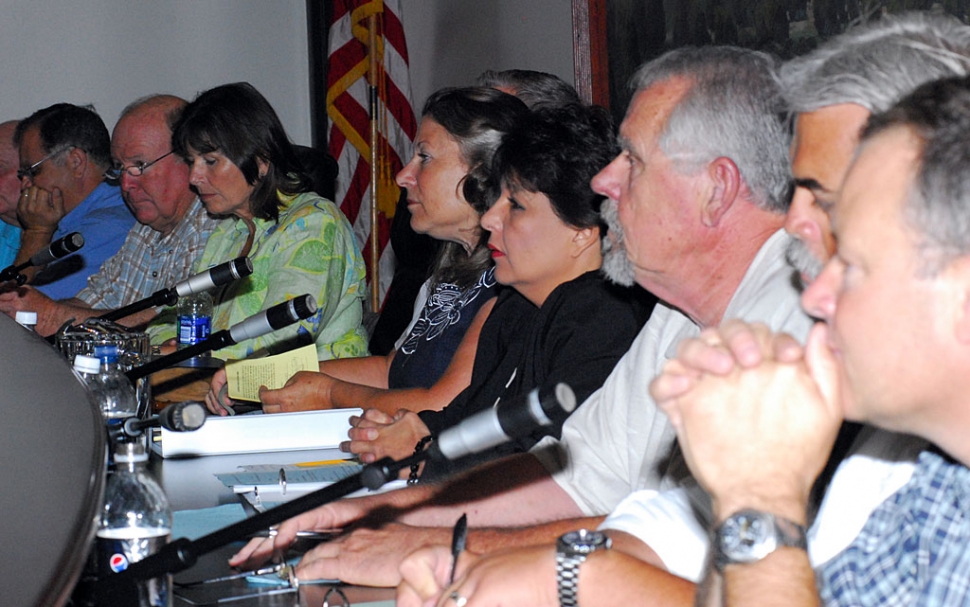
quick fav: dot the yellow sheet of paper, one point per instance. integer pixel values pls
(246, 376)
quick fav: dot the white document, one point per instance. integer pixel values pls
(260, 433)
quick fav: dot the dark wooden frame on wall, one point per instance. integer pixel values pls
(590, 56)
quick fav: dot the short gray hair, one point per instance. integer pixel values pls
(938, 203)
(732, 109)
(532, 87)
(874, 65)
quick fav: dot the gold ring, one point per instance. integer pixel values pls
(459, 600)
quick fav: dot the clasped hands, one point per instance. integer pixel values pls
(756, 414)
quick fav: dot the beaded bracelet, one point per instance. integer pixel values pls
(413, 476)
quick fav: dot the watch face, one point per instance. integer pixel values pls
(747, 536)
(583, 541)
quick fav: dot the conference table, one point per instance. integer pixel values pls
(191, 485)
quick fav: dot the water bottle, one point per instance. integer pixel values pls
(117, 395)
(88, 368)
(194, 319)
(27, 319)
(136, 521)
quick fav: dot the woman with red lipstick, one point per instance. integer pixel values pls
(446, 191)
(243, 167)
(561, 321)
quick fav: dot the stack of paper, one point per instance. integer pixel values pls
(260, 433)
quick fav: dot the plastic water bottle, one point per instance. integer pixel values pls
(27, 319)
(117, 395)
(88, 368)
(194, 319)
(136, 521)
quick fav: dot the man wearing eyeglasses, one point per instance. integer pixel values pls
(64, 150)
(161, 248)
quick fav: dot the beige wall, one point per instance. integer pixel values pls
(109, 52)
(451, 41)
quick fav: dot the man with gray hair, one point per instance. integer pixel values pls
(892, 350)
(700, 192)
(833, 89)
(161, 248)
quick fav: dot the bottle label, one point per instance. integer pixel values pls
(117, 549)
(193, 329)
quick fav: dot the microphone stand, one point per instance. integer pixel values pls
(121, 588)
(217, 340)
(162, 297)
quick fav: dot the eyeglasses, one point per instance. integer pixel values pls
(33, 169)
(135, 170)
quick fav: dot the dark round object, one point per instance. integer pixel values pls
(52, 462)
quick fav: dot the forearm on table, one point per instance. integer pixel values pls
(613, 578)
(366, 370)
(513, 491)
(489, 539)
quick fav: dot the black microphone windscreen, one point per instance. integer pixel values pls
(57, 249)
(182, 417)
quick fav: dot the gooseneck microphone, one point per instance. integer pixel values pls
(506, 421)
(217, 276)
(181, 417)
(261, 323)
(62, 247)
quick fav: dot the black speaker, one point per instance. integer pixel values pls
(52, 462)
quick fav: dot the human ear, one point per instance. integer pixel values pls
(584, 238)
(725, 183)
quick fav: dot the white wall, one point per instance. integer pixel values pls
(450, 42)
(109, 52)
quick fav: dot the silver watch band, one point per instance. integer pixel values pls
(567, 577)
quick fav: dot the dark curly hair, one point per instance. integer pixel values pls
(556, 151)
(476, 118)
(237, 121)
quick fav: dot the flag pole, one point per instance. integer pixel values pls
(373, 76)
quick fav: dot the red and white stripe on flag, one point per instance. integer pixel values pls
(349, 118)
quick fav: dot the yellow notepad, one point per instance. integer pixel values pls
(246, 376)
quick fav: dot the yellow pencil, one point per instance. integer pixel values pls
(326, 462)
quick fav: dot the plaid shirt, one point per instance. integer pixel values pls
(914, 548)
(149, 261)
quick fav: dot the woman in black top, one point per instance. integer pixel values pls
(561, 321)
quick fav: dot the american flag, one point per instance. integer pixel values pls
(349, 118)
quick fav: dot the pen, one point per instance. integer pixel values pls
(458, 538)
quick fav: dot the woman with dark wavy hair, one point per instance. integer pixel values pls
(243, 167)
(560, 321)
(447, 194)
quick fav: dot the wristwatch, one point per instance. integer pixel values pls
(747, 536)
(571, 550)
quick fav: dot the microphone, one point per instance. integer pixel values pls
(257, 325)
(62, 247)
(57, 249)
(274, 318)
(187, 416)
(217, 276)
(506, 421)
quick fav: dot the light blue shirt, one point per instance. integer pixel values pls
(9, 243)
(104, 220)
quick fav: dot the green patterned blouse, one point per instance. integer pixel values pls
(312, 250)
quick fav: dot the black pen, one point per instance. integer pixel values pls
(458, 538)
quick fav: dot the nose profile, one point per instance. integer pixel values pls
(819, 298)
(405, 177)
(605, 182)
(491, 220)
